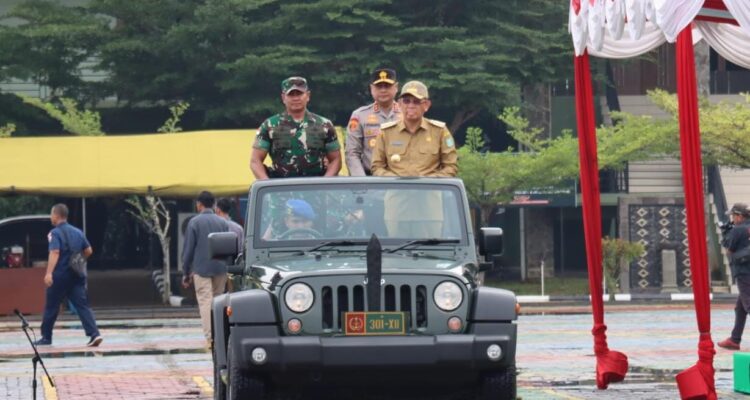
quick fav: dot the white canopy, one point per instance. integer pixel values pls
(599, 26)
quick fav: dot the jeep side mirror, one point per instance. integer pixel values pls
(490, 241)
(222, 245)
(236, 269)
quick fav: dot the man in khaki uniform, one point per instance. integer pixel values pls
(364, 124)
(414, 146)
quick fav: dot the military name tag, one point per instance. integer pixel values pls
(374, 323)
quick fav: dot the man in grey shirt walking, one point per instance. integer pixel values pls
(223, 208)
(209, 276)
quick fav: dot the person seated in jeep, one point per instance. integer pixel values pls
(298, 220)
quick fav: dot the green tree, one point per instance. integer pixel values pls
(47, 42)
(227, 57)
(78, 122)
(153, 212)
(725, 133)
(492, 178)
(7, 130)
(12, 206)
(616, 254)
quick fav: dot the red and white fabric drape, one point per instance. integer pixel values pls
(598, 27)
(601, 26)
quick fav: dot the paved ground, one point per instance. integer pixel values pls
(163, 358)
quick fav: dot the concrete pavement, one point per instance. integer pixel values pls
(164, 359)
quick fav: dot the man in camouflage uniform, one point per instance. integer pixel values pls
(364, 124)
(414, 146)
(299, 141)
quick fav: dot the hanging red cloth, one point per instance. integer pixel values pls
(696, 382)
(611, 366)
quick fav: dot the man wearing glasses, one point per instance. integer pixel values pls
(364, 124)
(414, 145)
(299, 141)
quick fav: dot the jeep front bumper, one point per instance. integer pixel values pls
(287, 353)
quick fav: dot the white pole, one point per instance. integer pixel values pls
(523, 243)
(83, 206)
(541, 266)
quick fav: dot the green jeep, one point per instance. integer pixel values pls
(362, 284)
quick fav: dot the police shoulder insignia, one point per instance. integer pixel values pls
(439, 124)
(353, 124)
(388, 124)
(449, 141)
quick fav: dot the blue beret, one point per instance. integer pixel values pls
(300, 208)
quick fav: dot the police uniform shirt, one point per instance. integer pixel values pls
(738, 237)
(430, 151)
(362, 132)
(68, 240)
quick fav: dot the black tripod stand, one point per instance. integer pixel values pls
(37, 358)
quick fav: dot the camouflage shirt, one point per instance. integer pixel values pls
(297, 148)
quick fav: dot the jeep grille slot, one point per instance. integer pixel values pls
(358, 298)
(405, 299)
(421, 306)
(326, 296)
(343, 303)
(390, 298)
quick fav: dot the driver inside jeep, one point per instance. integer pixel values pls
(298, 220)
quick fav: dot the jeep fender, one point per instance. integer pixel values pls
(219, 325)
(254, 307)
(493, 305)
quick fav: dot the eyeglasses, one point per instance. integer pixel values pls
(411, 100)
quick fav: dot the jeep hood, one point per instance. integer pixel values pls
(391, 262)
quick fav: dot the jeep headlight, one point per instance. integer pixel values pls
(299, 297)
(448, 296)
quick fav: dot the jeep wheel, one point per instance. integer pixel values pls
(500, 385)
(220, 389)
(242, 385)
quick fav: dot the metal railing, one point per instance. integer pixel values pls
(716, 187)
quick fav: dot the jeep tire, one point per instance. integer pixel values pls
(498, 385)
(242, 385)
(220, 388)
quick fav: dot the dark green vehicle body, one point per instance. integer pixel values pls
(427, 355)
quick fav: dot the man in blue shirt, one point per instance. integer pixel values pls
(208, 276)
(62, 281)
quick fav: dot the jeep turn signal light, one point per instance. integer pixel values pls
(229, 311)
(455, 324)
(294, 325)
(518, 309)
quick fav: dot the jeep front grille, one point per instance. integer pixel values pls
(336, 300)
(336, 294)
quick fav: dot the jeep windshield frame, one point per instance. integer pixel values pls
(336, 202)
